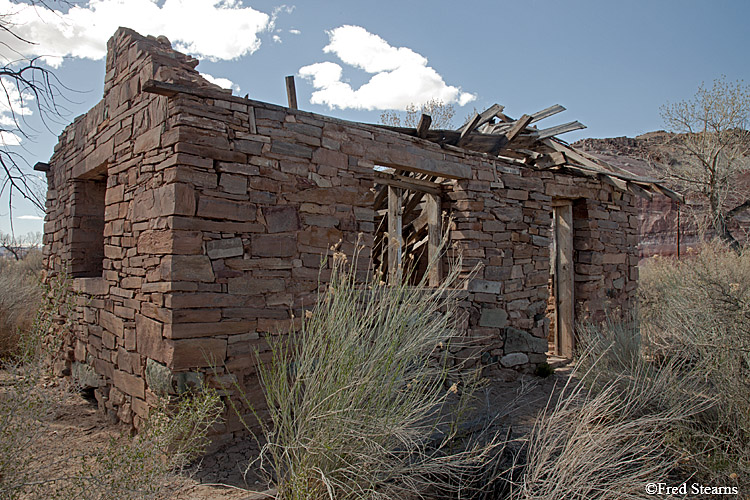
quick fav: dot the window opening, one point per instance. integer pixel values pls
(87, 226)
(408, 226)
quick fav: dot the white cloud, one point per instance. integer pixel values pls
(295, 31)
(400, 75)
(277, 38)
(30, 217)
(211, 29)
(224, 83)
(10, 138)
(13, 108)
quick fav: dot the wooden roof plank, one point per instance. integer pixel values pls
(468, 128)
(638, 190)
(560, 129)
(424, 125)
(546, 113)
(520, 124)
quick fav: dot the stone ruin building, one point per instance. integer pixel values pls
(193, 222)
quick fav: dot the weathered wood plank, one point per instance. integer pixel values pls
(468, 128)
(291, 92)
(560, 129)
(668, 192)
(546, 113)
(434, 234)
(170, 89)
(564, 280)
(407, 183)
(440, 168)
(639, 191)
(521, 124)
(395, 237)
(424, 125)
(614, 181)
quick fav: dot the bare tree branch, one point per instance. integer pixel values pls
(24, 85)
(711, 129)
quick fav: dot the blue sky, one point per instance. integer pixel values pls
(611, 64)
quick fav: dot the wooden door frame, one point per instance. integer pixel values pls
(564, 277)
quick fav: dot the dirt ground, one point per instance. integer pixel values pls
(77, 428)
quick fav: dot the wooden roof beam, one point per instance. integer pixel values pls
(485, 116)
(674, 195)
(546, 113)
(518, 127)
(424, 125)
(639, 191)
(551, 160)
(468, 128)
(559, 129)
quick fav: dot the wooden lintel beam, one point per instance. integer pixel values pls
(171, 89)
(162, 88)
(407, 183)
(439, 168)
(426, 182)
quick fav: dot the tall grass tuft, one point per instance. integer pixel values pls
(697, 311)
(20, 297)
(364, 401)
(125, 468)
(613, 429)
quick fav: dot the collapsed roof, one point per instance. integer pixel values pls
(518, 141)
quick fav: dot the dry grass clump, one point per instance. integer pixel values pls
(697, 312)
(665, 398)
(126, 468)
(612, 430)
(20, 297)
(363, 400)
(603, 443)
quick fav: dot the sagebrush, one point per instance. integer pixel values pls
(365, 401)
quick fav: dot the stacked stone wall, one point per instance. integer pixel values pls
(218, 210)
